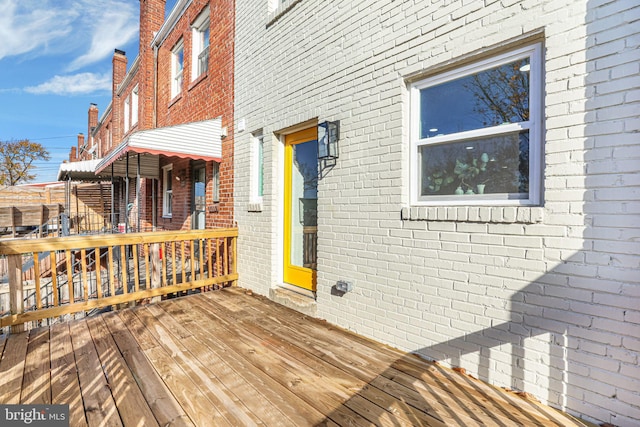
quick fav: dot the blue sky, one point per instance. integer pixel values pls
(55, 59)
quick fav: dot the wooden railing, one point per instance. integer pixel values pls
(92, 272)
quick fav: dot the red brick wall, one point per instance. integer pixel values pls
(151, 19)
(127, 93)
(92, 122)
(119, 72)
(102, 135)
(210, 96)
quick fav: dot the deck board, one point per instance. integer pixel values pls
(99, 405)
(163, 404)
(131, 404)
(36, 384)
(12, 368)
(231, 358)
(65, 385)
(240, 389)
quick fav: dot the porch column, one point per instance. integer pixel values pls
(114, 224)
(138, 184)
(126, 196)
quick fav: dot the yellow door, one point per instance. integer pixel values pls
(300, 208)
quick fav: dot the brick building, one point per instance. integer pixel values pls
(164, 137)
(483, 207)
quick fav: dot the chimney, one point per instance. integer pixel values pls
(72, 155)
(80, 152)
(119, 72)
(93, 118)
(92, 123)
(151, 19)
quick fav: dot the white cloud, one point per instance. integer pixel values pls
(91, 29)
(111, 24)
(26, 26)
(77, 84)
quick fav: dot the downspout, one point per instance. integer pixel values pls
(126, 197)
(113, 212)
(154, 203)
(138, 193)
(155, 86)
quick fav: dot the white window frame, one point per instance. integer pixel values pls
(257, 167)
(127, 109)
(134, 106)
(177, 69)
(199, 44)
(534, 126)
(167, 191)
(216, 182)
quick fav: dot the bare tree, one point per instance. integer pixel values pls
(17, 160)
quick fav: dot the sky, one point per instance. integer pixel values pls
(55, 59)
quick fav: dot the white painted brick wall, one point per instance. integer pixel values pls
(545, 300)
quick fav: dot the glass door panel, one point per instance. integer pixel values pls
(301, 208)
(199, 197)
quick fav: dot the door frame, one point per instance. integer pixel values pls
(302, 277)
(195, 166)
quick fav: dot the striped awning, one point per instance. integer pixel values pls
(84, 170)
(142, 149)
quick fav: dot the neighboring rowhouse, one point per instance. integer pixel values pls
(163, 138)
(482, 210)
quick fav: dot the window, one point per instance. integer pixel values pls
(476, 133)
(134, 106)
(257, 169)
(167, 190)
(127, 108)
(216, 182)
(200, 48)
(177, 67)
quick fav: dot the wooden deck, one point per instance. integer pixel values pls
(229, 358)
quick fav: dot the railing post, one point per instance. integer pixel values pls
(16, 289)
(233, 268)
(156, 266)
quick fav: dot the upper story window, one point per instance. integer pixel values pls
(200, 48)
(476, 133)
(134, 106)
(177, 68)
(167, 191)
(127, 109)
(109, 138)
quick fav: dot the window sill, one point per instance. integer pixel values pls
(166, 216)
(280, 11)
(175, 99)
(197, 81)
(493, 214)
(254, 207)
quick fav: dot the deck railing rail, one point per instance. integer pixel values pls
(78, 274)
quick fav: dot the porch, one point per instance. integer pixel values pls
(228, 357)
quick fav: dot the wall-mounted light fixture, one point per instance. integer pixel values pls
(328, 135)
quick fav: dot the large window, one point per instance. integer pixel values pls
(200, 48)
(167, 191)
(476, 133)
(177, 67)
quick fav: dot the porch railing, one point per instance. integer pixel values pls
(79, 274)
